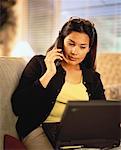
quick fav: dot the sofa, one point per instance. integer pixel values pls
(10, 72)
(107, 64)
(109, 67)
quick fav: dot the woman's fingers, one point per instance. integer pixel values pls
(54, 50)
(53, 55)
(65, 59)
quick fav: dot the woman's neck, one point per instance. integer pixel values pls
(70, 67)
(73, 73)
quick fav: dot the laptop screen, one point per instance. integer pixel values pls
(91, 120)
(91, 124)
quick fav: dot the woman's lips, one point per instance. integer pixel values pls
(72, 58)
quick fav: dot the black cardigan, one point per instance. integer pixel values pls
(32, 103)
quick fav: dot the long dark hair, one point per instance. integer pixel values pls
(80, 25)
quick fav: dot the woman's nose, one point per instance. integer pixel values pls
(75, 50)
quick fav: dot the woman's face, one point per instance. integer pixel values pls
(76, 46)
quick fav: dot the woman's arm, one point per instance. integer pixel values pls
(29, 91)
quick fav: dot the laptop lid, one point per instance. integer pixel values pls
(88, 123)
(93, 119)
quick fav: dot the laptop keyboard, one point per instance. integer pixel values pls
(53, 128)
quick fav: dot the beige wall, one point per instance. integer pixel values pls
(22, 15)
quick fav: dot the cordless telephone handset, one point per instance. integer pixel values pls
(59, 46)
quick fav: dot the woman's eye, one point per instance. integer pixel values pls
(82, 47)
(72, 44)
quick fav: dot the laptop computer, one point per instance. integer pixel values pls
(93, 124)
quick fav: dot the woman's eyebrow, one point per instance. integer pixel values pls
(80, 44)
(71, 40)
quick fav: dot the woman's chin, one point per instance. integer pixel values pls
(72, 62)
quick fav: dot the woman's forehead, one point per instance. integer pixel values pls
(77, 37)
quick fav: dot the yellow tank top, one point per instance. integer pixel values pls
(69, 91)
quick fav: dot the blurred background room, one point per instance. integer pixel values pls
(29, 27)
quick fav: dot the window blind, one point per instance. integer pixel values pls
(105, 14)
(40, 24)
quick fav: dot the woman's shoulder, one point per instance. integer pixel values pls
(38, 57)
(35, 62)
(35, 66)
(91, 71)
(95, 73)
(91, 75)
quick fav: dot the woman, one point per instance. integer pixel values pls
(67, 72)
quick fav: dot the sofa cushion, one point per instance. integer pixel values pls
(113, 92)
(108, 65)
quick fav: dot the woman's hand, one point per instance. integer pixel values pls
(50, 58)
